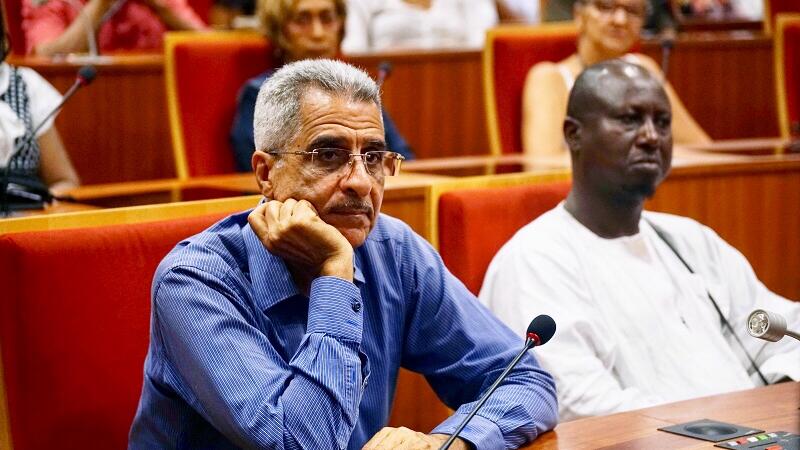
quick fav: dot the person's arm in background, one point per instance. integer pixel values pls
(50, 28)
(394, 140)
(461, 348)
(241, 137)
(55, 167)
(521, 11)
(685, 130)
(544, 108)
(357, 26)
(176, 14)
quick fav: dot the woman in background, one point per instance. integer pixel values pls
(25, 100)
(607, 29)
(300, 29)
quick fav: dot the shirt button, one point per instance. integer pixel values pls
(356, 307)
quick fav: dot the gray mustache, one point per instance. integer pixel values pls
(353, 205)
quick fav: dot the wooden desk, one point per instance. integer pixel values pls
(772, 408)
(405, 196)
(117, 130)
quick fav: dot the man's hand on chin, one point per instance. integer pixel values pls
(294, 231)
(403, 438)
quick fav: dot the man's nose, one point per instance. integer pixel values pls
(357, 177)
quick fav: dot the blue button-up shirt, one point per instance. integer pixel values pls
(239, 356)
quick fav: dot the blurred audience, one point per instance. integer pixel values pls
(376, 25)
(67, 26)
(299, 29)
(25, 100)
(715, 9)
(607, 29)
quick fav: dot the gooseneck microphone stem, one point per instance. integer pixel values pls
(529, 344)
(86, 75)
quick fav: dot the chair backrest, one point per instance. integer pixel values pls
(474, 223)
(508, 55)
(13, 15)
(772, 8)
(787, 73)
(74, 329)
(204, 72)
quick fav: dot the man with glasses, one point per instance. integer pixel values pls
(285, 327)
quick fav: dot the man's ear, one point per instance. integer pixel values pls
(572, 134)
(262, 167)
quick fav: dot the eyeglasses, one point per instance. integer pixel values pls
(609, 7)
(332, 160)
(305, 19)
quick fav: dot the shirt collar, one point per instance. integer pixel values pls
(271, 279)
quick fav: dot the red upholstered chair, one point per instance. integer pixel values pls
(74, 330)
(13, 15)
(204, 73)
(474, 223)
(787, 73)
(509, 52)
(774, 7)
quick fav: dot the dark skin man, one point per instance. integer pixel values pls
(618, 132)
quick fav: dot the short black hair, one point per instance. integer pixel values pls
(584, 96)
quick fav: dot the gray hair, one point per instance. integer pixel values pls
(276, 119)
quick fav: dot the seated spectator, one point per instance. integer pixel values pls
(66, 26)
(299, 29)
(607, 29)
(25, 100)
(284, 327)
(376, 25)
(651, 308)
(716, 9)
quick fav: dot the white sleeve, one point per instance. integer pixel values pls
(527, 279)
(776, 360)
(43, 98)
(356, 37)
(527, 9)
(479, 16)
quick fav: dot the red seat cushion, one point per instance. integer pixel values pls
(475, 223)
(74, 329)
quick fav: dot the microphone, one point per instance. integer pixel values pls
(768, 326)
(85, 76)
(540, 330)
(384, 70)
(667, 43)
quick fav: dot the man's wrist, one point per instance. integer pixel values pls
(458, 444)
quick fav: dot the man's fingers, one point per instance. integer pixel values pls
(377, 439)
(286, 209)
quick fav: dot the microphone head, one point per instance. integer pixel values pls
(667, 43)
(766, 325)
(541, 329)
(86, 75)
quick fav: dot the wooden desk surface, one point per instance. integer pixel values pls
(771, 408)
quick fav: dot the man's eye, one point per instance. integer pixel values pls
(629, 119)
(663, 122)
(373, 157)
(329, 155)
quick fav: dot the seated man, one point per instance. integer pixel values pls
(285, 327)
(636, 326)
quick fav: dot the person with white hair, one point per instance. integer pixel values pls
(285, 326)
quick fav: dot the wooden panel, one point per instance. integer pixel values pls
(772, 408)
(752, 207)
(115, 129)
(727, 84)
(436, 100)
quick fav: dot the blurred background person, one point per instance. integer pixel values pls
(299, 29)
(61, 26)
(25, 100)
(607, 29)
(375, 25)
(722, 9)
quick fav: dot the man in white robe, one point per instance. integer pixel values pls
(636, 326)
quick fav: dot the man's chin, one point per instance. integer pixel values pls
(355, 236)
